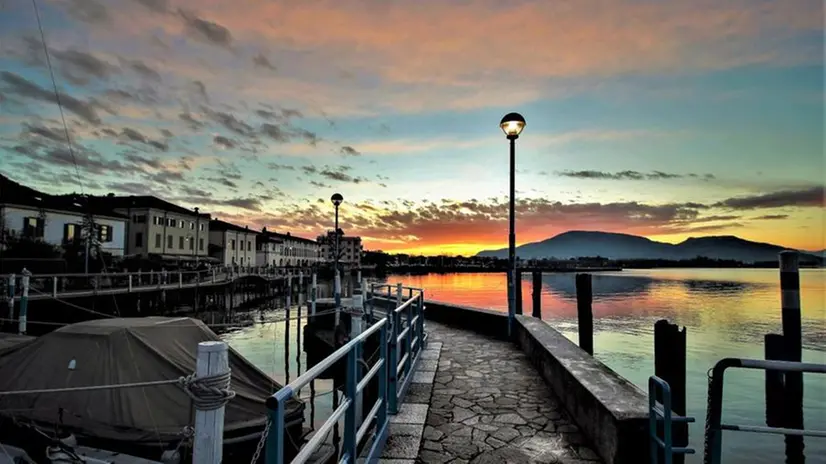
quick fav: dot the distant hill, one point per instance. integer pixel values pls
(575, 244)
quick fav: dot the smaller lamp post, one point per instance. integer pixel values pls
(512, 124)
(337, 199)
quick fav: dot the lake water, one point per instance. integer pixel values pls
(726, 312)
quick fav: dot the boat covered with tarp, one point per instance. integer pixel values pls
(145, 420)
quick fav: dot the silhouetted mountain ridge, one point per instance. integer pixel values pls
(579, 243)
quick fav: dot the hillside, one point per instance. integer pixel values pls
(576, 244)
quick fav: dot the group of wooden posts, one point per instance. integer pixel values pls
(784, 391)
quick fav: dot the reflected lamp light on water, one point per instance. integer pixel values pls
(512, 125)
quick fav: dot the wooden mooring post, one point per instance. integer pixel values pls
(585, 315)
(793, 341)
(537, 294)
(208, 446)
(517, 288)
(670, 365)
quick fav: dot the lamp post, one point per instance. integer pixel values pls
(337, 199)
(512, 124)
(197, 228)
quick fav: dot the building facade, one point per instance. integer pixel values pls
(59, 220)
(268, 249)
(233, 245)
(350, 248)
(161, 229)
(293, 251)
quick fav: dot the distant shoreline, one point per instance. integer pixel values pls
(487, 270)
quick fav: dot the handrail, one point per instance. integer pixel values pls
(714, 424)
(662, 414)
(394, 376)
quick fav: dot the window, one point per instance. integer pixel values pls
(232, 244)
(242, 260)
(139, 240)
(249, 246)
(157, 240)
(33, 227)
(169, 242)
(181, 243)
(170, 222)
(71, 232)
(201, 244)
(181, 223)
(191, 226)
(105, 233)
(191, 243)
(139, 218)
(156, 220)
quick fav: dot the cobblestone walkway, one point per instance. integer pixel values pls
(489, 405)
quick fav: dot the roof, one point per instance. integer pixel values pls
(146, 201)
(14, 193)
(217, 224)
(287, 236)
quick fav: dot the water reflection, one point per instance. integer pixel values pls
(727, 313)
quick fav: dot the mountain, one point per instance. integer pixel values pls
(576, 244)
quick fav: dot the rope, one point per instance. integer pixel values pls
(209, 392)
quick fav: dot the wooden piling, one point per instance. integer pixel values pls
(537, 294)
(517, 288)
(792, 333)
(208, 446)
(670, 365)
(585, 314)
(775, 348)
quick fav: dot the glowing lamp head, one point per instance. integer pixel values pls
(512, 125)
(337, 199)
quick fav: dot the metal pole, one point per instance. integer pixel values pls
(24, 302)
(512, 238)
(335, 265)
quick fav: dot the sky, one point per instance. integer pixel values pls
(664, 118)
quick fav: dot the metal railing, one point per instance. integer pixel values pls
(396, 334)
(662, 413)
(714, 424)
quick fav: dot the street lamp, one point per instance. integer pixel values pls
(197, 228)
(512, 125)
(337, 199)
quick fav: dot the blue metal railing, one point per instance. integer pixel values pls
(714, 424)
(388, 369)
(662, 413)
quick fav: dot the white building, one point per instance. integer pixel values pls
(350, 248)
(233, 245)
(160, 229)
(268, 249)
(57, 220)
(293, 251)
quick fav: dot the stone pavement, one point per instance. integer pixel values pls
(489, 405)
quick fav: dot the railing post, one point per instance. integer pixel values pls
(274, 452)
(313, 294)
(213, 275)
(537, 294)
(54, 287)
(350, 426)
(12, 280)
(384, 371)
(392, 388)
(208, 443)
(180, 279)
(130, 283)
(420, 331)
(24, 301)
(792, 334)
(713, 431)
(585, 315)
(410, 329)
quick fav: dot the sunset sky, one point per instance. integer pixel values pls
(663, 118)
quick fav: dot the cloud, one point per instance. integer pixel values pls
(771, 217)
(339, 175)
(25, 88)
(157, 6)
(206, 30)
(223, 142)
(274, 132)
(810, 197)
(141, 161)
(193, 123)
(318, 184)
(143, 69)
(280, 167)
(199, 88)
(90, 11)
(261, 61)
(631, 175)
(78, 66)
(347, 150)
(134, 135)
(230, 122)
(223, 181)
(52, 133)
